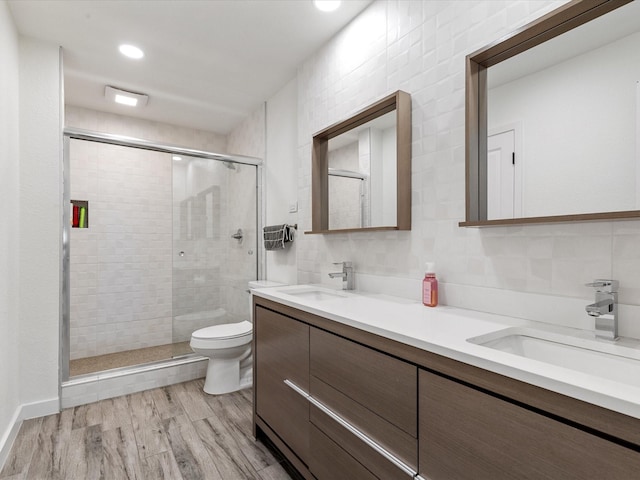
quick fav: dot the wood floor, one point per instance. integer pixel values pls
(176, 432)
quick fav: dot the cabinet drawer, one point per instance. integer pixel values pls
(355, 447)
(330, 462)
(469, 435)
(283, 345)
(388, 436)
(381, 383)
(282, 353)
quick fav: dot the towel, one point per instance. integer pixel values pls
(276, 236)
(75, 221)
(83, 215)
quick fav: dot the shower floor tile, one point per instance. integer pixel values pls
(128, 358)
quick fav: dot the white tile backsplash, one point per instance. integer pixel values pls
(420, 47)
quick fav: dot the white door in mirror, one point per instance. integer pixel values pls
(501, 184)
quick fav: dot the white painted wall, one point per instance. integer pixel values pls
(40, 219)
(281, 179)
(9, 228)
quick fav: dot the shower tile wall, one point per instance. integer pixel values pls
(198, 285)
(120, 265)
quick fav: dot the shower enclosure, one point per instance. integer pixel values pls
(158, 241)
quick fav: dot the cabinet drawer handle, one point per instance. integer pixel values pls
(362, 436)
(296, 388)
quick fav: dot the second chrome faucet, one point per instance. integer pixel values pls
(346, 274)
(605, 308)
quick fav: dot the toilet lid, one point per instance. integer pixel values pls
(226, 330)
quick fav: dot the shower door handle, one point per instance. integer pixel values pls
(238, 235)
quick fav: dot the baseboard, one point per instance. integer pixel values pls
(6, 442)
(25, 412)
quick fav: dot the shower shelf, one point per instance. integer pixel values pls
(79, 213)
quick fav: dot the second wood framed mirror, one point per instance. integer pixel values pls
(552, 122)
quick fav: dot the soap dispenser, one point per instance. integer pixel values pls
(430, 286)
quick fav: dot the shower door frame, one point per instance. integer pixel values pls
(125, 141)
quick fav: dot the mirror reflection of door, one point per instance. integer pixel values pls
(503, 189)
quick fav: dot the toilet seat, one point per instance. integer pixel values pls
(225, 330)
(225, 335)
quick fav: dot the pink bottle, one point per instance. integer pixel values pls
(430, 286)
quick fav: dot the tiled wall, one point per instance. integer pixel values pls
(121, 266)
(121, 275)
(419, 47)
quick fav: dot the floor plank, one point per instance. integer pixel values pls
(274, 472)
(192, 399)
(85, 456)
(52, 448)
(87, 415)
(23, 448)
(188, 450)
(147, 424)
(167, 403)
(115, 413)
(225, 451)
(161, 467)
(121, 454)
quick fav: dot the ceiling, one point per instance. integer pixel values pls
(208, 63)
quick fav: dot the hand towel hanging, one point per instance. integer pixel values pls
(277, 236)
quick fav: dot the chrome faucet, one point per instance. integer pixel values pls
(346, 274)
(605, 309)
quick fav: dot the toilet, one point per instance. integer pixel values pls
(228, 347)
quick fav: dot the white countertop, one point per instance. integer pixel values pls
(445, 330)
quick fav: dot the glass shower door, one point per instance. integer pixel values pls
(214, 244)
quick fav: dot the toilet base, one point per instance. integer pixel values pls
(223, 375)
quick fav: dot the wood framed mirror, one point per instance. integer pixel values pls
(361, 170)
(578, 160)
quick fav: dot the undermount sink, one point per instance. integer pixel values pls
(607, 360)
(313, 293)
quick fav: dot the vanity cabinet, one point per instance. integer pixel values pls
(343, 403)
(340, 409)
(468, 434)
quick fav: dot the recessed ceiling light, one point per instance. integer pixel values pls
(326, 5)
(131, 51)
(123, 97)
(126, 100)
(176, 158)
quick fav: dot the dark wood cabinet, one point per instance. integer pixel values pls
(384, 385)
(467, 434)
(331, 462)
(282, 353)
(367, 407)
(373, 392)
